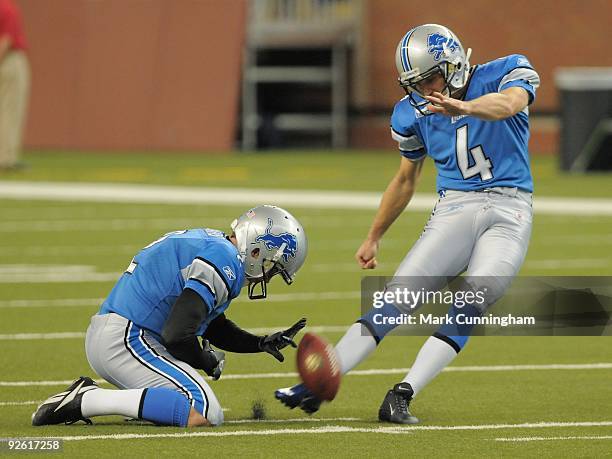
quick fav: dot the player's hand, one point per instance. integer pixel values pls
(279, 340)
(216, 359)
(445, 105)
(366, 254)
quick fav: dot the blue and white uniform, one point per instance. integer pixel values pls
(470, 153)
(200, 259)
(123, 341)
(481, 223)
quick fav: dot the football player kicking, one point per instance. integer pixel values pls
(473, 122)
(144, 339)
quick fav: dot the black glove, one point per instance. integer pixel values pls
(276, 341)
(215, 360)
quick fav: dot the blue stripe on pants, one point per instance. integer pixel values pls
(184, 382)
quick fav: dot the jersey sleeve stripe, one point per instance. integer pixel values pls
(407, 143)
(205, 272)
(521, 73)
(206, 285)
(227, 286)
(394, 134)
(413, 156)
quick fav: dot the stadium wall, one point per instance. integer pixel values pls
(165, 74)
(551, 33)
(134, 74)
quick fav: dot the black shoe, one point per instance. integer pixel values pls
(298, 395)
(394, 407)
(66, 406)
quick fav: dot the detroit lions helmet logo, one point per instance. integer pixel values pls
(274, 241)
(438, 43)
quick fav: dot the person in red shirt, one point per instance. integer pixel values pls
(14, 85)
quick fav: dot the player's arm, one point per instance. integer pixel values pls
(394, 200)
(228, 336)
(179, 333)
(491, 107)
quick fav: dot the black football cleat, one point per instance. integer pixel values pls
(298, 395)
(64, 407)
(394, 407)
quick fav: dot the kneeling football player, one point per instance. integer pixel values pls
(144, 339)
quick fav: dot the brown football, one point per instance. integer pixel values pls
(318, 366)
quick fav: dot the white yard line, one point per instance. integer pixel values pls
(569, 263)
(106, 192)
(26, 403)
(74, 335)
(100, 225)
(242, 433)
(39, 336)
(282, 421)
(51, 303)
(334, 429)
(273, 298)
(57, 277)
(43, 274)
(574, 437)
(372, 372)
(137, 224)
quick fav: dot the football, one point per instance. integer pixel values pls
(318, 366)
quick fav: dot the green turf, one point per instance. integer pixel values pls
(101, 238)
(349, 170)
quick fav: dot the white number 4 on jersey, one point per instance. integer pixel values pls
(482, 164)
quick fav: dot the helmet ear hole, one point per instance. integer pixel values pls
(255, 253)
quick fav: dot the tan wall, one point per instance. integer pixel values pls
(134, 74)
(551, 33)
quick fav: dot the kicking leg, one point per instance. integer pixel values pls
(436, 253)
(498, 254)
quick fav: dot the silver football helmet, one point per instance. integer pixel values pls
(426, 50)
(270, 241)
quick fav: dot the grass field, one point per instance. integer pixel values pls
(59, 258)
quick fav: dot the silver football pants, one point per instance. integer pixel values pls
(483, 233)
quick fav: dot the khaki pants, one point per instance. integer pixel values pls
(14, 94)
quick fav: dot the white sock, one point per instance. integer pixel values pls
(103, 402)
(356, 344)
(431, 359)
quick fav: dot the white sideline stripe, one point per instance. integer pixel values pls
(74, 335)
(373, 372)
(569, 263)
(28, 402)
(350, 419)
(53, 277)
(51, 303)
(37, 336)
(525, 439)
(335, 429)
(282, 421)
(32, 274)
(117, 224)
(273, 298)
(107, 192)
(243, 433)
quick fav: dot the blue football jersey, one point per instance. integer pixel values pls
(471, 153)
(200, 259)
